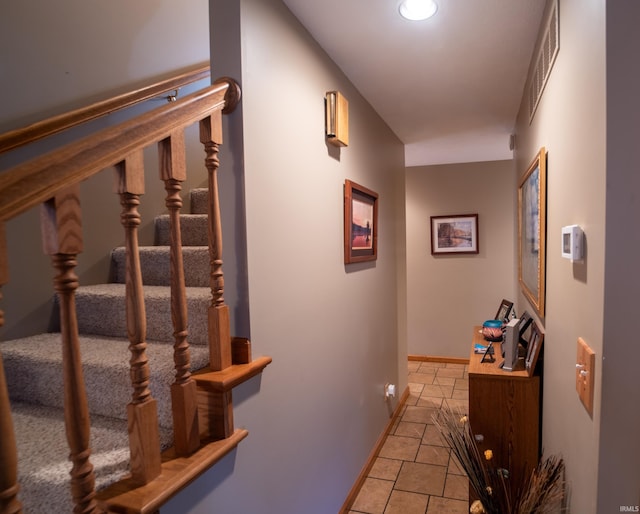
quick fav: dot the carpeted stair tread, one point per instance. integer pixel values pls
(193, 229)
(155, 265)
(199, 198)
(43, 455)
(34, 372)
(101, 310)
(33, 365)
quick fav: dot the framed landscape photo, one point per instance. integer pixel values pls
(360, 223)
(454, 234)
(532, 230)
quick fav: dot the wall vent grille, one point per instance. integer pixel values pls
(546, 56)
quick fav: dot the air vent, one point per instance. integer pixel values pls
(546, 56)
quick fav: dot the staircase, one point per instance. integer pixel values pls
(136, 390)
(33, 365)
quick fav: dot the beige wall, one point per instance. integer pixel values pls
(570, 124)
(61, 55)
(448, 294)
(620, 396)
(317, 411)
(64, 55)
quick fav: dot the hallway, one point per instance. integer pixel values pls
(415, 472)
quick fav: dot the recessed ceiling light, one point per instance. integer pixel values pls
(417, 10)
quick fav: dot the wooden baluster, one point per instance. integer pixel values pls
(142, 411)
(183, 391)
(62, 240)
(9, 503)
(219, 329)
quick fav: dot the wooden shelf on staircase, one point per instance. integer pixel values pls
(228, 378)
(177, 472)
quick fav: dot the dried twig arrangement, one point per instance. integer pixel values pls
(542, 493)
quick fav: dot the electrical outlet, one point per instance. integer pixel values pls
(585, 371)
(389, 391)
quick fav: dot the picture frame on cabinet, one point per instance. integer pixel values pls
(454, 234)
(504, 311)
(536, 338)
(532, 230)
(360, 223)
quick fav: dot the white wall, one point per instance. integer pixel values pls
(316, 412)
(448, 294)
(570, 123)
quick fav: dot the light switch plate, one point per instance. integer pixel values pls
(585, 371)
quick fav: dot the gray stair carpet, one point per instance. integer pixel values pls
(199, 200)
(33, 365)
(33, 370)
(193, 229)
(100, 311)
(155, 261)
(44, 476)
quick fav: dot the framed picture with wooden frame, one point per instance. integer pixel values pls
(504, 310)
(534, 348)
(360, 223)
(532, 230)
(454, 234)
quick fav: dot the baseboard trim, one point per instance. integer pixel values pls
(353, 493)
(430, 358)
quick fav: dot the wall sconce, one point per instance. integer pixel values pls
(336, 119)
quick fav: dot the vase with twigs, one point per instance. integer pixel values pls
(540, 493)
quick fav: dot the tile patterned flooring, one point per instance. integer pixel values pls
(415, 472)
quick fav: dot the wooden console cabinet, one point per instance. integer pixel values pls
(504, 408)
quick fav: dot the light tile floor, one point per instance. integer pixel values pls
(415, 472)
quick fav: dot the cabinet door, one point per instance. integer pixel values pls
(506, 413)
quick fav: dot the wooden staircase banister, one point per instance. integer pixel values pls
(202, 406)
(9, 487)
(227, 379)
(45, 128)
(34, 182)
(177, 472)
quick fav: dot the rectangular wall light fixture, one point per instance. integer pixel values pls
(337, 119)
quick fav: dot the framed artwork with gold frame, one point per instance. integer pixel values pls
(532, 229)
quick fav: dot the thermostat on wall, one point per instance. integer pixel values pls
(572, 241)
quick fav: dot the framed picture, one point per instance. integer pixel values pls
(532, 231)
(454, 234)
(360, 223)
(533, 348)
(525, 322)
(504, 311)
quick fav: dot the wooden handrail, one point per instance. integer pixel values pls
(202, 407)
(32, 183)
(44, 128)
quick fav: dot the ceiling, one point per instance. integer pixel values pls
(450, 86)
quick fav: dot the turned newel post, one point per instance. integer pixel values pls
(183, 391)
(219, 322)
(62, 240)
(9, 503)
(142, 411)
